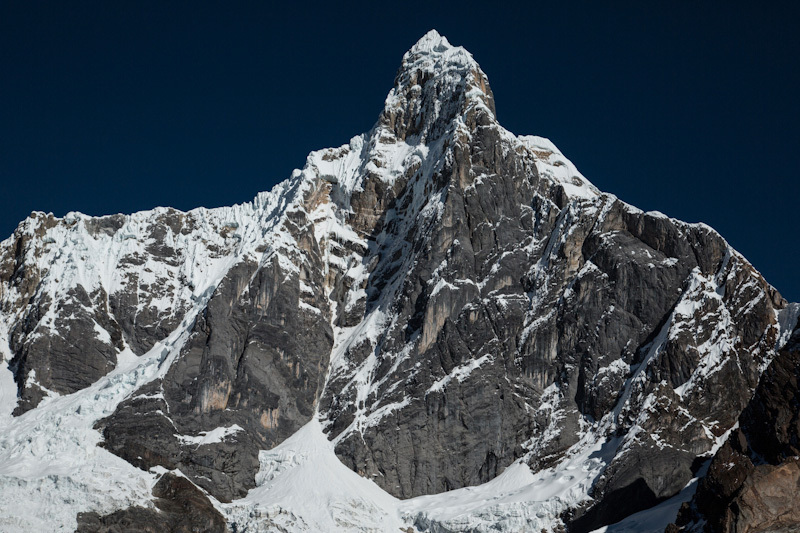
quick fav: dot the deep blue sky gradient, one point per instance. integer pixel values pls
(690, 108)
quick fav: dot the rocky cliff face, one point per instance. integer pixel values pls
(753, 481)
(450, 304)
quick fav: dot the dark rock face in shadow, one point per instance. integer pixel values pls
(256, 358)
(70, 312)
(753, 481)
(180, 507)
(522, 310)
(448, 298)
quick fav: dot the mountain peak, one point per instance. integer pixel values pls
(433, 50)
(342, 337)
(431, 42)
(436, 83)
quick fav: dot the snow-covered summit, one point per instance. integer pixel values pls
(371, 322)
(431, 42)
(435, 48)
(436, 84)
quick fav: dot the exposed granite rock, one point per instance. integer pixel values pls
(447, 297)
(256, 359)
(77, 291)
(180, 507)
(510, 299)
(753, 481)
(72, 359)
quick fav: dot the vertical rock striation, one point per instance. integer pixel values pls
(446, 297)
(753, 480)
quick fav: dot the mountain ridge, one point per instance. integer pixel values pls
(435, 278)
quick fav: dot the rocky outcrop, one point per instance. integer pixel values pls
(255, 360)
(78, 291)
(753, 481)
(180, 507)
(445, 297)
(508, 297)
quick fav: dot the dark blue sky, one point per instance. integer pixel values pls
(690, 108)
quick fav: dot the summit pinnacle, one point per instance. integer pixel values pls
(438, 326)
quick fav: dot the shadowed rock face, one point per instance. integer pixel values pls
(753, 481)
(180, 507)
(516, 308)
(255, 358)
(446, 296)
(77, 291)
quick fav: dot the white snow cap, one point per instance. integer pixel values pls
(431, 42)
(435, 47)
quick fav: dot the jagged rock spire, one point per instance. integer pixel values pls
(437, 82)
(443, 299)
